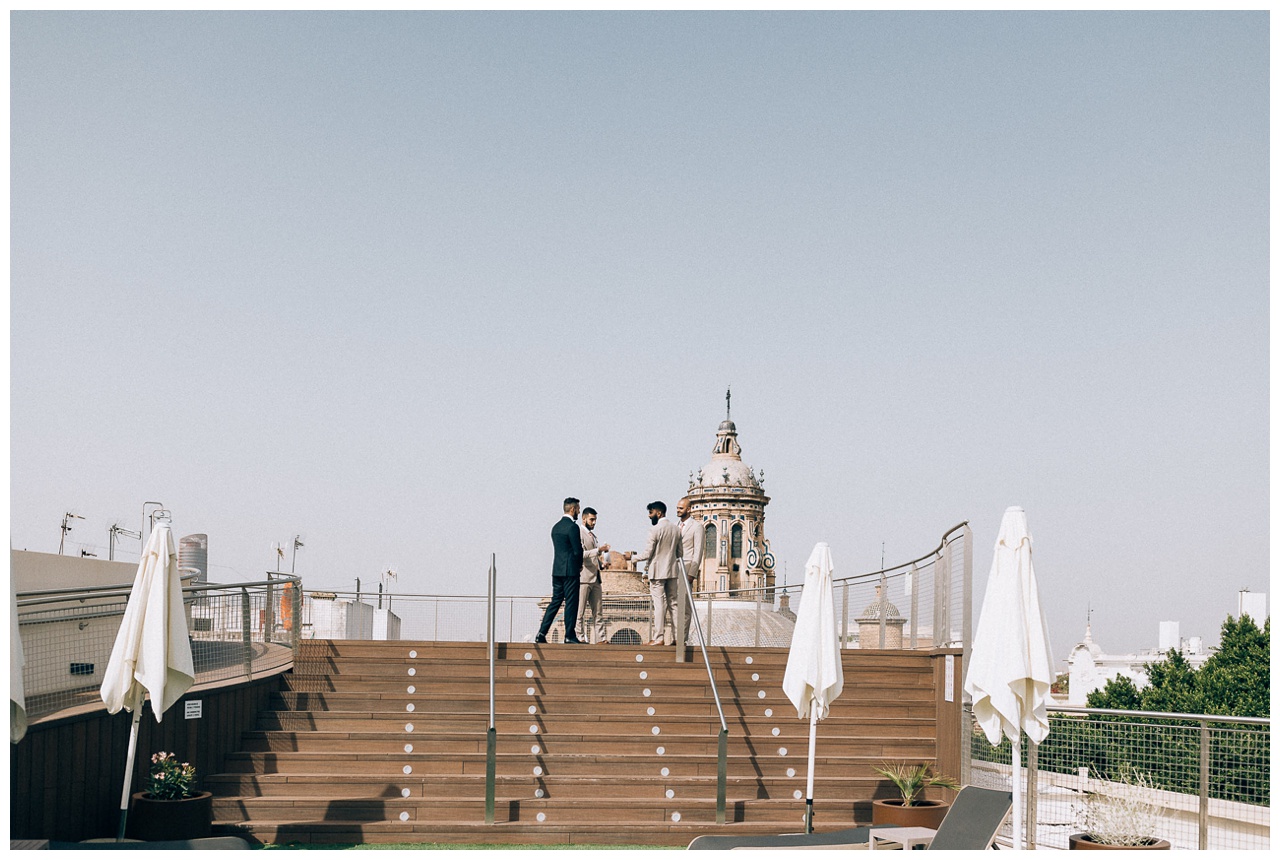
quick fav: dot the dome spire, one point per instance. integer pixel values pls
(728, 397)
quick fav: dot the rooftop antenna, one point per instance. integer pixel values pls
(66, 528)
(115, 530)
(279, 551)
(297, 545)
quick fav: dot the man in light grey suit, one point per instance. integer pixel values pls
(590, 589)
(661, 553)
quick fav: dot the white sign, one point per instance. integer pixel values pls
(949, 685)
(194, 709)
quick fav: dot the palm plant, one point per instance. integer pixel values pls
(912, 779)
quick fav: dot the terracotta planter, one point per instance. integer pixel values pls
(1082, 842)
(922, 813)
(156, 820)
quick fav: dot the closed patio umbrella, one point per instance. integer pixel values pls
(1011, 664)
(17, 695)
(152, 654)
(815, 674)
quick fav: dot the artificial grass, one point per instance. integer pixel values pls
(454, 846)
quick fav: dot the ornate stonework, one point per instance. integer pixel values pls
(729, 497)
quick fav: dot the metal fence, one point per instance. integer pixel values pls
(920, 604)
(236, 631)
(1210, 775)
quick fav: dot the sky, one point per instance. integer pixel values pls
(401, 282)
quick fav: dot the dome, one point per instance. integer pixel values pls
(726, 468)
(872, 612)
(726, 472)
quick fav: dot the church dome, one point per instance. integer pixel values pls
(726, 468)
(872, 612)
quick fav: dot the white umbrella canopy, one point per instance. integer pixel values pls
(152, 654)
(17, 694)
(1011, 663)
(815, 674)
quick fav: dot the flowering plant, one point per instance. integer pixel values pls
(170, 779)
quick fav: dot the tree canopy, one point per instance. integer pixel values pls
(1235, 681)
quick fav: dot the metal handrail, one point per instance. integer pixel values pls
(722, 751)
(47, 596)
(491, 737)
(942, 544)
(1163, 715)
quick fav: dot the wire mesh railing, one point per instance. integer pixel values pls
(236, 631)
(1209, 776)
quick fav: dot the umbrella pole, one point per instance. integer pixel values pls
(128, 773)
(808, 801)
(1017, 792)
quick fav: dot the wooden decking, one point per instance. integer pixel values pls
(386, 742)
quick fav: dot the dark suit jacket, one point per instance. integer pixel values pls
(567, 541)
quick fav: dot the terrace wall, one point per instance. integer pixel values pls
(67, 774)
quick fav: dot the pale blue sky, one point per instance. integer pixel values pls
(401, 282)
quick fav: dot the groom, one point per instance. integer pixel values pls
(566, 574)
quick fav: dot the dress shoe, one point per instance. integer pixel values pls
(539, 640)
(574, 641)
(655, 641)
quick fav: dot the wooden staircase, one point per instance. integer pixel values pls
(598, 745)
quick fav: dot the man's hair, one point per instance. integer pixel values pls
(660, 507)
(591, 511)
(569, 503)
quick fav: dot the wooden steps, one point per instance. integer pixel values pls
(386, 742)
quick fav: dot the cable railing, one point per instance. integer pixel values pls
(236, 631)
(920, 604)
(1209, 776)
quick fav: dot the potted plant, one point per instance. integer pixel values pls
(1122, 815)
(911, 810)
(169, 808)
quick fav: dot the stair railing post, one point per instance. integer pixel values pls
(722, 751)
(491, 740)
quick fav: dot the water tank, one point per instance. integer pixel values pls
(193, 552)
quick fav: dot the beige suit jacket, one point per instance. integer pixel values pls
(590, 556)
(662, 550)
(693, 539)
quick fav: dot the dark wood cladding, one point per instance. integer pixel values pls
(67, 774)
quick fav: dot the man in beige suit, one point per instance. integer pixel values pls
(692, 545)
(590, 590)
(661, 553)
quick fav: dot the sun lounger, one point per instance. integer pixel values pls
(970, 825)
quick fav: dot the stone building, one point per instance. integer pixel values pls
(728, 496)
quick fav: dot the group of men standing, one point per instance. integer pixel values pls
(575, 571)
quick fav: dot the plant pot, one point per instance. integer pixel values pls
(1082, 842)
(922, 813)
(155, 820)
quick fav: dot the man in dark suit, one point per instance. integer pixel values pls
(566, 574)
